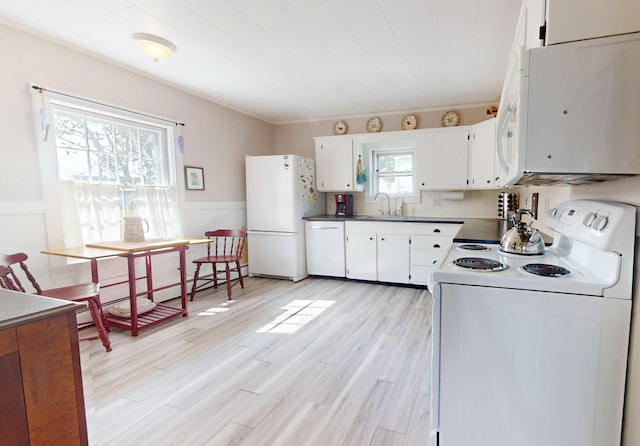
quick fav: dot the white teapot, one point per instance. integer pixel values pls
(134, 229)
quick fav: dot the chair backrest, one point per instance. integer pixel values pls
(11, 280)
(6, 279)
(226, 242)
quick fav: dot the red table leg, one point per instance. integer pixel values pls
(183, 280)
(132, 294)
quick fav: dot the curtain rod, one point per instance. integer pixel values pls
(41, 89)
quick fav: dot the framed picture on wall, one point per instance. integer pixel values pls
(194, 178)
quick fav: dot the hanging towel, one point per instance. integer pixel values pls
(362, 174)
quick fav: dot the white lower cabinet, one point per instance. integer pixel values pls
(395, 252)
(361, 255)
(393, 258)
(426, 251)
(429, 245)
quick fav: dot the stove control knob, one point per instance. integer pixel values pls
(552, 213)
(589, 219)
(601, 222)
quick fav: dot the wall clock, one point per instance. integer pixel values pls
(340, 127)
(374, 125)
(450, 119)
(409, 122)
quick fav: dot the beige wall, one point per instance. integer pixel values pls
(298, 137)
(216, 137)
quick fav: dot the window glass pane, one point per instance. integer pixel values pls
(70, 131)
(73, 164)
(100, 136)
(396, 185)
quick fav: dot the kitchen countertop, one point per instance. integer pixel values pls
(473, 230)
(17, 308)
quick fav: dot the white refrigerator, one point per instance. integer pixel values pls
(281, 190)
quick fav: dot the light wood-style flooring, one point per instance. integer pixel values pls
(319, 362)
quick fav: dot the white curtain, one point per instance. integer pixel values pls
(94, 212)
(159, 206)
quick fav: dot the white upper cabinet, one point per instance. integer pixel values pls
(442, 158)
(482, 153)
(336, 163)
(571, 20)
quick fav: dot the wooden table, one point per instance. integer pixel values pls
(131, 251)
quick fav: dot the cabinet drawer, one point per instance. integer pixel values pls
(427, 257)
(436, 229)
(431, 242)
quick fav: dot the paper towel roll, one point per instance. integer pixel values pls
(453, 195)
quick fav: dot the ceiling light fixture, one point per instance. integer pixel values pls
(153, 46)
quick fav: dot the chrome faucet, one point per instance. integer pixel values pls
(388, 203)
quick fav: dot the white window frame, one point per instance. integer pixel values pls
(52, 189)
(369, 152)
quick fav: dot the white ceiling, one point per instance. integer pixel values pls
(297, 60)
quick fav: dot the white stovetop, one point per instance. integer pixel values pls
(580, 281)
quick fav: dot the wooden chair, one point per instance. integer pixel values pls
(227, 248)
(86, 292)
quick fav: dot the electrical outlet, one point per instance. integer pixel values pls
(436, 202)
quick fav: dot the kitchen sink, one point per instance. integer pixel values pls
(382, 217)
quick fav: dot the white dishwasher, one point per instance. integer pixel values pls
(325, 248)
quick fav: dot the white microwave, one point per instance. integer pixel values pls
(570, 113)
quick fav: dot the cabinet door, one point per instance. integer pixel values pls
(442, 158)
(572, 20)
(482, 154)
(334, 165)
(361, 256)
(393, 258)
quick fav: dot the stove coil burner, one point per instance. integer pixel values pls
(479, 263)
(542, 269)
(473, 247)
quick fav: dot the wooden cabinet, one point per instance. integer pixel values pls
(429, 244)
(571, 20)
(41, 392)
(442, 158)
(336, 163)
(482, 155)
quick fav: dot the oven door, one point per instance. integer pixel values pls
(528, 368)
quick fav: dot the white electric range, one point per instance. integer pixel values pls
(532, 349)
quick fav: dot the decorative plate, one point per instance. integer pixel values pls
(340, 127)
(374, 125)
(409, 122)
(450, 119)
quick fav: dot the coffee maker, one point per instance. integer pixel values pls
(344, 205)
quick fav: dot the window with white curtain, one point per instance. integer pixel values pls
(110, 167)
